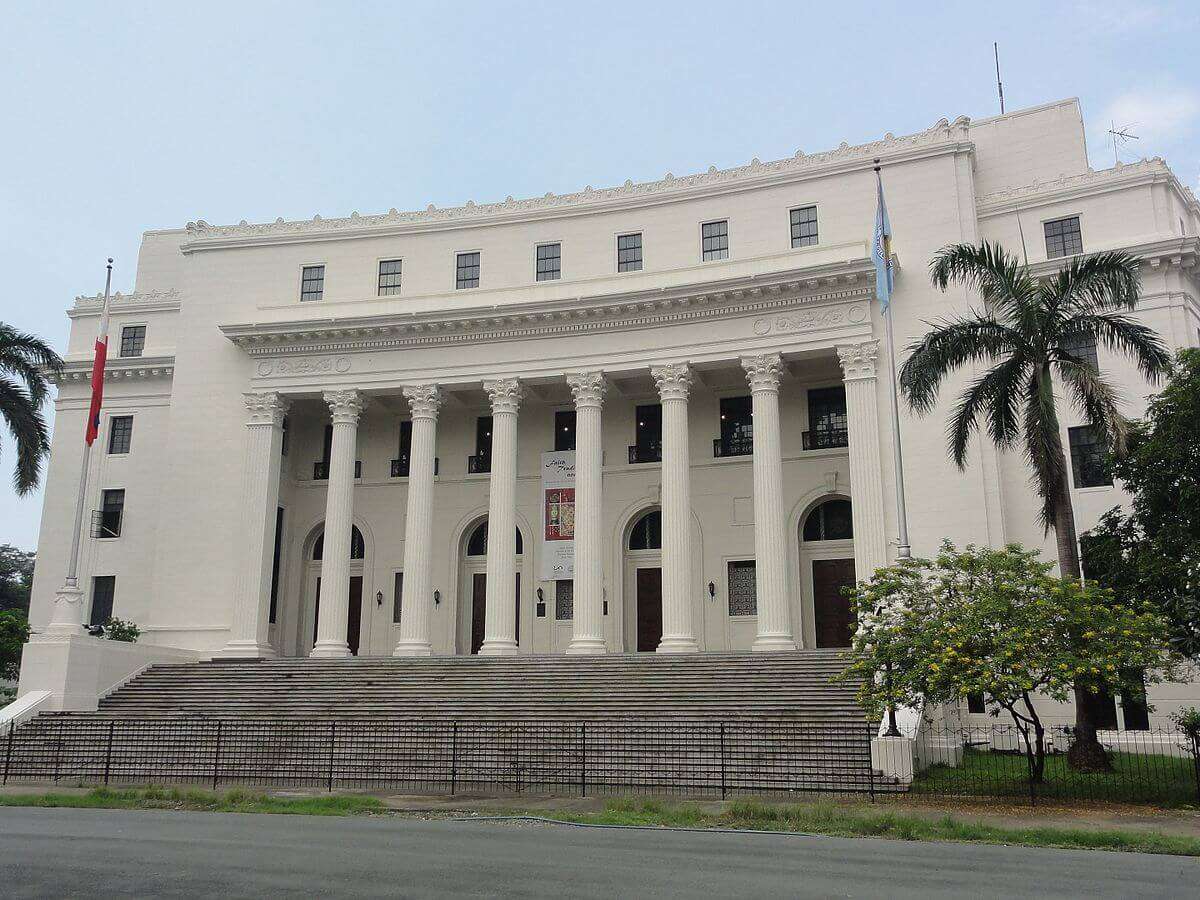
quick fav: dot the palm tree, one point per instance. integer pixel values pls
(25, 362)
(1029, 333)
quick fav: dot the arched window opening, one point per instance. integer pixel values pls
(647, 533)
(358, 547)
(477, 544)
(830, 521)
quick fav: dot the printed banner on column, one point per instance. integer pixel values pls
(558, 515)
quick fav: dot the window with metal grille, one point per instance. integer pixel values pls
(743, 596)
(564, 600)
(397, 598)
(1089, 463)
(714, 240)
(737, 428)
(106, 521)
(120, 434)
(1063, 237)
(629, 252)
(564, 429)
(827, 423)
(804, 226)
(312, 283)
(549, 262)
(466, 271)
(1083, 348)
(104, 589)
(133, 340)
(389, 277)
(647, 434)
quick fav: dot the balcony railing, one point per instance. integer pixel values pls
(733, 445)
(826, 440)
(479, 464)
(650, 452)
(321, 470)
(400, 466)
(106, 523)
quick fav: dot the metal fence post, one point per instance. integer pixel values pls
(217, 755)
(108, 753)
(453, 758)
(58, 750)
(332, 742)
(583, 759)
(12, 730)
(517, 754)
(722, 760)
(871, 762)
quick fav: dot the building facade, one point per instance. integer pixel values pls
(341, 436)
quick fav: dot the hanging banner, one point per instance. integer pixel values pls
(558, 515)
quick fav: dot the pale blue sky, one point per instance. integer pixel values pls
(119, 117)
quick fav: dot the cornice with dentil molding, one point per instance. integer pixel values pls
(1084, 182)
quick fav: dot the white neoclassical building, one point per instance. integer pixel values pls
(648, 417)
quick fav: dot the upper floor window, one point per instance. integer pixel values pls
(827, 424)
(1063, 237)
(104, 588)
(804, 226)
(549, 262)
(737, 428)
(1088, 464)
(629, 252)
(321, 467)
(831, 521)
(1083, 348)
(564, 429)
(714, 240)
(466, 274)
(389, 277)
(647, 434)
(106, 521)
(133, 340)
(482, 460)
(120, 434)
(312, 283)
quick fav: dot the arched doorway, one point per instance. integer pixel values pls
(643, 622)
(312, 593)
(473, 587)
(826, 566)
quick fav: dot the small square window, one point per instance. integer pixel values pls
(312, 283)
(1089, 462)
(564, 600)
(743, 592)
(1063, 238)
(804, 226)
(629, 252)
(120, 434)
(466, 271)
(549, 262)
(714, 240)
(133, 340)
(1083, 348)
(389, 277)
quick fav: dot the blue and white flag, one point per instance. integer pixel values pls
(881, 250)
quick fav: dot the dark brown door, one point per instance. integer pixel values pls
(478, 609)
(317, 610)
(831, 611)
(354, 616)
(649, 609)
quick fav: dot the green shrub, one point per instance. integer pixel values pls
(119, 630)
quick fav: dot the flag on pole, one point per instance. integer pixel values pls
(881, 249)
(93, 424)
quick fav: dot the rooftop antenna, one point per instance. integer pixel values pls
(1120, 136)
(999, 83)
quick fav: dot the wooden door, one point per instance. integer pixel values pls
(478, 609)
(649, 609)
(831, 610)
(354, 615)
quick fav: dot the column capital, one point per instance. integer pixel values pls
(345, 406)
(505, 394)
(587, 387)
(764, 371)
(673, 380)
(423, 400)
(858, 360)
(266, 408)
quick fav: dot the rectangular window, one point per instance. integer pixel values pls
(975, 703)
(389, 277)
(564, 429)
(743, 593)
(400, 465)
(106, 521)
(564, 600)
(133, 340)
(549, 262)
(104, 588)
(482, 460)
(629, 252)
(120, 434)
(1089, 464)
(826, 419)
(466, 271)
(804, 226)
(1063, 237)
(397, 598)
(1083, 348)
(275, 556)
(321, 468)
(284, 436)
(737, 428)
(714, 240)
(312, 283)
(647, 434)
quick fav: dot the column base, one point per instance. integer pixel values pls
(66, 618)
(499, 648)
(586, 647)
(678, 645)
(247, 650)
(413, 648)
(771, 643)
(330, 650)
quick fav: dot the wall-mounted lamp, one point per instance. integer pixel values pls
(712, 591)
(437, 597)
(540, 595)
(379, 598)
(540, 607)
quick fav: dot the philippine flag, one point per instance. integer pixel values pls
(93, 424)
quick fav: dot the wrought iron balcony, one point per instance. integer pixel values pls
(650, 452)
(106, 523)
(828, 439)
(400, 466)
(479, 464)
(321, 470)
(733, 445)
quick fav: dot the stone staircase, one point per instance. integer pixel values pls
(696, 724)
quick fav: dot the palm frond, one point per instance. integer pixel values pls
(28, 428)
(1123, 334)
(951, 343)
(1043, 445)
(1094, 283)
(1098, 400)
(996, 396)
(997, 276)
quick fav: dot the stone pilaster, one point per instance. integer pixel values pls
(500, 617)
(417, 602)
(679, 634)
(770, 553)
(345, 407)
(256, 542)
(866, 476)
(587, 634)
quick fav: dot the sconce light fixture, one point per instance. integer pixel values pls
(712, 590)
(437, 597)
(379, 598)
(540, 596)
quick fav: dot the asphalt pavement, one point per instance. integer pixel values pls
(91, 853)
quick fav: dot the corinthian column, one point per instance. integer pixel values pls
(866, 477)
(500, 612)
(587, 627)
(256, 539)
(424, 400)
(770, 562)
(345, 407)
(679, 635)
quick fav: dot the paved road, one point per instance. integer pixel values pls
(75, 852)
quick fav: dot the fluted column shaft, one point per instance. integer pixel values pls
(417, 602)
(500, 617)
(345, 407)
(587, 627)
(770, 558)
(679, 635)
(866, 477)
(256, 540)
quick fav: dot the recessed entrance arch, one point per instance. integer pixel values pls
(643, 623)
(472, 593)
(826, 566)
(311, 602)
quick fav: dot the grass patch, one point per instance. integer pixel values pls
(204, 801)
